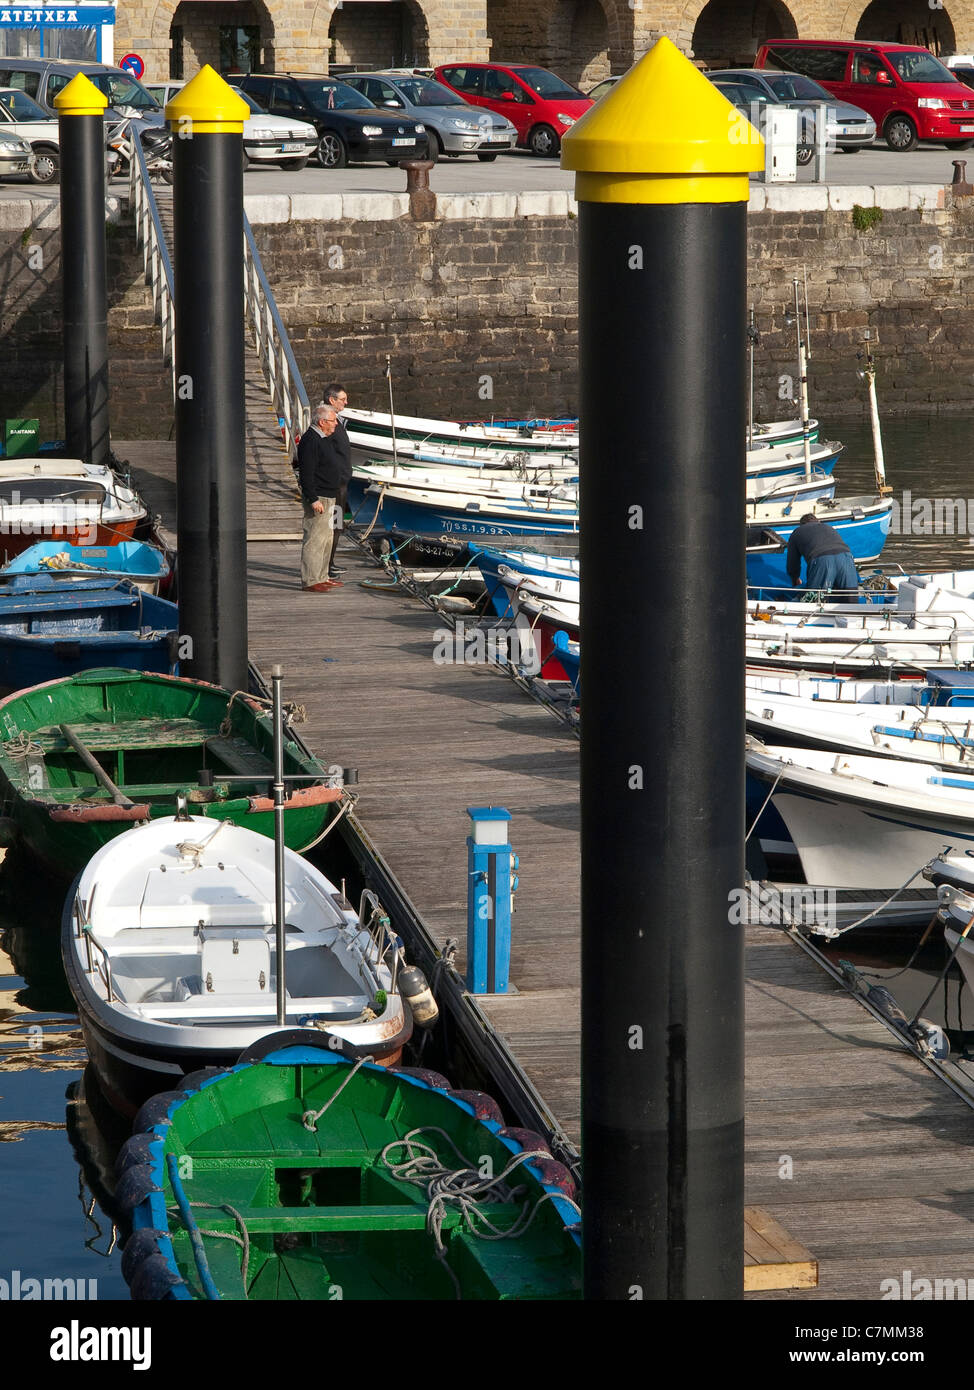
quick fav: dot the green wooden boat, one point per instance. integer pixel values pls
(83, 758)
(305, 1176)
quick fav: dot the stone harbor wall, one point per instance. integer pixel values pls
(477, 306)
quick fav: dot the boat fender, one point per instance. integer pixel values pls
(424, 1074)
(930, 1039)
(153, 1279)
(134, 1186)
(553, 1174)
(926, 1038)
(136, 1150)
(526, 1139)
(195, 1080)
(139, 1247)
(156, 1111)
(419, 996)
(9, 830)
(484, 1107)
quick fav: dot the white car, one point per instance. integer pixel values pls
(281, 140)
(20, 116)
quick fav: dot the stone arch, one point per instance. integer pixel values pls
(578, 42)
(386, 34)
(201, 24)
(727, 33)
(907, 21)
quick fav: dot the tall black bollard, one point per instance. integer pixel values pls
(662, 186)
(81, 132)
(206, 119)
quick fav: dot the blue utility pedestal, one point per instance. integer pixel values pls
(490, 884)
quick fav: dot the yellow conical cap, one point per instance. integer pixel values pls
(662, 126)
(80, 98)
(207, 104)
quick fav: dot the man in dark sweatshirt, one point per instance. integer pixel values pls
(320, 472)
(828, 560)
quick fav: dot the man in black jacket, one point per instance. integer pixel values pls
(828, 560)
(320, 469)
(337, 397)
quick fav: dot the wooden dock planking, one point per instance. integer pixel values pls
(879, 1147)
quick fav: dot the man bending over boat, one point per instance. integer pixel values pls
(828, 560)
(320, 471)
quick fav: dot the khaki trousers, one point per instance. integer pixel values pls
(316, 543)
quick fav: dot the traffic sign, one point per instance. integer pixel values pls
(134, 64)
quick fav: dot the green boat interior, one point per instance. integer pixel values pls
(328, 1217)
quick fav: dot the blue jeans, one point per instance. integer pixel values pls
(832, 572)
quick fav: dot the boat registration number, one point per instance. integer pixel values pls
(404, 142)
(291, 147)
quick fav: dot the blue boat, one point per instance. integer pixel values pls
(142, 564)
(48, 631)
(548, 523)
(568, 655)
(862, 523)
(493, 563)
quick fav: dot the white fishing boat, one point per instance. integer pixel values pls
(875, 718)
(169, 949)
(953, 876)
(864, 822)
(69, 500)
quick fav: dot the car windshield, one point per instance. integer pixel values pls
(423, 93)
(789, 86)
(334, 96)
(123, 91)
(740, 94)
(20, 107)
(917, 65)
(255, 106)
(547, 85)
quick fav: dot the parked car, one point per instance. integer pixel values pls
(536, 101)
(284, 141)
(908, 92)
(453, 128)
(965, 74)
(15, 155)
(600, 89)
(848, 127)
(349, 127)
(20, 115)
(43, 78)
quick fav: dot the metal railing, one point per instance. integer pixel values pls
(273, 347)
(281, 372)
(151, 236)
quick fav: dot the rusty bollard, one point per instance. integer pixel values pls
(959, 187)
(422, 199)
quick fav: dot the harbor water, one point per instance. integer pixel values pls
(55, 1154)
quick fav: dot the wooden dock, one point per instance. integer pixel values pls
(854, 1147)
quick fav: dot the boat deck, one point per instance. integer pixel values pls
(854, 1146)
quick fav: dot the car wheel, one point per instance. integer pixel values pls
(294, 164)
(900, 134)
(804, 155)
(435, 150)
(959, 144)
(47, 165)
(543, 141)
(332, 153)
(487, 158)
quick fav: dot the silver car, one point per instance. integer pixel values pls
(20, 115)
(848, 127)
(16, 156)
(457, 127)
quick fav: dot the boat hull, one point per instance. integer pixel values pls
(767, 571)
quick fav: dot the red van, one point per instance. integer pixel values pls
(908, 92)
(535, 100)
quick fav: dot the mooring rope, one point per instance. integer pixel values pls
(464, 1188)
(310, 1118)
(243, 1240)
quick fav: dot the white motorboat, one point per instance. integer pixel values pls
(169, 948)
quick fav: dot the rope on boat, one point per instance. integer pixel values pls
(196, 1240)
(293, 713)
(310, 1118)
(464, 1188)
(23, 746)
(350, 802)
(764, 804)
(243, 1240)
(833, 932)
(962, 937)
(378, 508)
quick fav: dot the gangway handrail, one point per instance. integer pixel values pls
(284, 380)
(151, 236)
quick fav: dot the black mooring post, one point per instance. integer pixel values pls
(84, 272)
(662, 189)
(206, 119)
